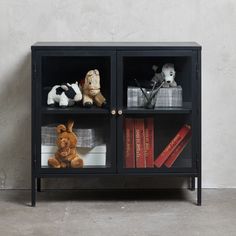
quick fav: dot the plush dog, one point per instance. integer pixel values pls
(91, 90)
(167, 75)
(66, 155)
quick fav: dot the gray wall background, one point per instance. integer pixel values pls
(211, 23)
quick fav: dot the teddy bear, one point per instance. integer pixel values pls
(66, 155)
(91, 90)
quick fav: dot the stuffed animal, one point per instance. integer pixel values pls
(167, 75)
(66, 155)
(65, 95)
(91, 90)
(158, 78)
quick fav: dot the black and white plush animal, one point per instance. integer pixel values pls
(65, 95)
(167, 75)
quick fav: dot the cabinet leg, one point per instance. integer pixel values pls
(192, 183)
(39, 184)
(33, 192)
(199, 191)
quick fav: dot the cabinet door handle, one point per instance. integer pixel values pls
(113, 112)
(120, 112)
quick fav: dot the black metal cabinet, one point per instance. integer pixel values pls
(56, 63)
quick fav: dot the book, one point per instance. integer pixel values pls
(172, 145)
(149, 142)
(140, 143)
(178, 150)
(129, 143)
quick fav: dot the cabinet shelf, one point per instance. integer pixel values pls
(79, 169)
(73, 110)
(161, 110)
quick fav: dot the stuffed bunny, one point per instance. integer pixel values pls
(66, 155)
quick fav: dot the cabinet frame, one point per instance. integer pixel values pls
(116, 51)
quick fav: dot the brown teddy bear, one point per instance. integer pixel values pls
(66, 156)
(91, 90)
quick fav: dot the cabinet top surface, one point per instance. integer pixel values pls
(42, 45)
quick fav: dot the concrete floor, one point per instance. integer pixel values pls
(85, 213)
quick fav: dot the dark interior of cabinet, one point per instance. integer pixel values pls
(80, 121)
(140, 68)
(100, 122)
(165, 129)
(57, 70)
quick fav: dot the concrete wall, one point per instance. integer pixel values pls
(210, 23)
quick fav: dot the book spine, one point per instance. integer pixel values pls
(149, 142)
(178, 150)
(172, 145)
(129, 143)
(140, 143)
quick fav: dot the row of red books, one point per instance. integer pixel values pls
(139, 144)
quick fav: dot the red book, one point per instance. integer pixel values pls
(140, 143)
(175, 154)
(172, 145)
(129, 143)
(149, 142)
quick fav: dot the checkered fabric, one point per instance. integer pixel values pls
(88, 138)
(169, 97)
(135, 97)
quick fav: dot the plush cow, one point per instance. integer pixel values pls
(65, 95)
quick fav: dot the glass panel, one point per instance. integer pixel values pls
(144, 69)
(60, 148)
(160, 141)
(58, 70)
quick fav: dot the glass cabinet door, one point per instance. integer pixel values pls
(94, 142)
(94, 148)
(155, 142)
(156, 135)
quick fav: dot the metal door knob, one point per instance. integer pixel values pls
(113, 112)
(120, 112)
